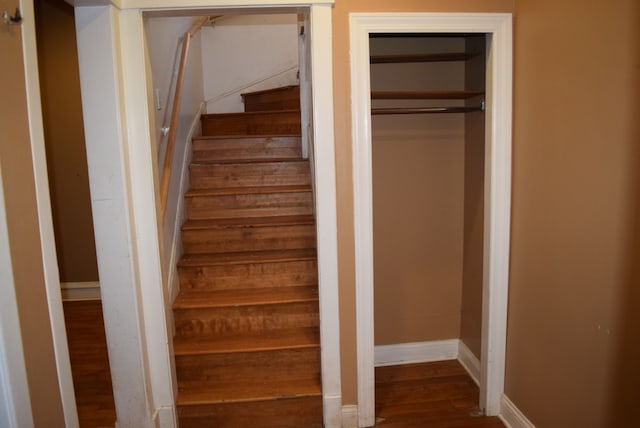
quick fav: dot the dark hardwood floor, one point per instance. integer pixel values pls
(430, 395)
(90, 363)
(434, 395)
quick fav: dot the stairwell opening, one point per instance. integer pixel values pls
(240, 230)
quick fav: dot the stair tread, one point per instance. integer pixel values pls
(192, 394)
(244, 297)
(252, 113)
(297, 338)
(247, 161)
(197, 260)
(243, 137)
(236, 222)
(252, 190)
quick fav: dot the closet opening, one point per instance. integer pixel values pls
(425, 345)
(428, 162)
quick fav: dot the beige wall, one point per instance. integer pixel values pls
(64, 141)
(474, 145)
(574, 300)
(418, 172)
(574, 253)
(24, 238)
(342, 108)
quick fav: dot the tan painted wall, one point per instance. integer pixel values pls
(418, 172)
(24, 238)
(472, 274)
(342, 108)
(574, 255)
(64, 141)
(573, 325)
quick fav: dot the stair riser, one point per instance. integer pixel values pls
(276, 123)
(285, 274)
(249, 175)
(282, 99)
(253, 205)
(249, 239)
(303, 412)
(282, 365)
(246, 319)
(247, 148)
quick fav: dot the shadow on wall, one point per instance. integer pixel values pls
(625, 388)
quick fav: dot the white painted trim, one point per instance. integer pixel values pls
(512, 416)
(135, 161)
(469, 361)
(497, 214)
(497, 188)
(108, 78)
(142, 171)
(14, 387)
(350, 416)
(326, 214)
(176, 245)
(199, 4)
(304, 67)
(416, 352)
(45, 222)
(74, 291)
(362, 217)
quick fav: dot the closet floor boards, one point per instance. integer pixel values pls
(89, 363)
(431, 395)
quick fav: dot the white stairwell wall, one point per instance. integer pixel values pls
(243, 53)
(164, 38)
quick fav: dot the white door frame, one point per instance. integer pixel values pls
(123, 193)
(498, 27)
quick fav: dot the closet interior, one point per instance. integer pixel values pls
(428, 150)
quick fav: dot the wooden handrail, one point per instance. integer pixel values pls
(175, 113)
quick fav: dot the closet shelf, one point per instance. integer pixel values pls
(433, 57)
(424, 95)
(424, 110)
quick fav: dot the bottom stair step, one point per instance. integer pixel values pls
(302, 412)
(283, 366)
(192, 394)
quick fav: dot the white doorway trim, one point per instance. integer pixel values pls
(498, 28)
(133, 202)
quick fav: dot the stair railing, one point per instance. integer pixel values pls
(175, 113)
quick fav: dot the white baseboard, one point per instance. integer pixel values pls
(350, 416)
(165, 416)
(512, 416)
(470, 362)
(416, 352)
(72, 291)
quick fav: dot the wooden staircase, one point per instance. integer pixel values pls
(247, 344)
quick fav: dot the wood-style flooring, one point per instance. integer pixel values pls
(89, 363)
(430, 395)
(433, 395)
